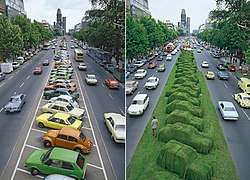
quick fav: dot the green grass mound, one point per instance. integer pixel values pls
(183, 89)
(184, 79)
(176, 157)
(190, 85)
(185, 73)
(184, 106)
(185, 117)
(183, 96)
(156, 175)
(181, 70)
(186, 134)
(199, 170)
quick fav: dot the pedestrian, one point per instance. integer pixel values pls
(154, 125)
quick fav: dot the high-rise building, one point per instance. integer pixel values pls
(14, 8)
(138, 8)
(188, 25)
(64, 24)
(59, 17)
(183, 17)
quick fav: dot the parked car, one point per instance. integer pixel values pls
(82, 66)
(69, 138)
(65, 98)
(131, 86)
(58, 121)
(58, 177)
(232, 67)
(20, 60)
(112, 82)
(138, 105)
(45, 62)
(67, 81)
(244, 85)
(15, 103)
(63, 107)
(38, 70)
(109, 67)
(152, 64)
(60, 91)
(152, 82)
(2, 76)
(60, 85)
(140, 73)
(221, 67)
(243, 99)
(161, 68)
(210, 75)
(116, 124)
(204, 64)
(222, 75)
(67, 162)
(169, 57)
(90, 79)
(226, 64)
(61, 75)
(227, 110)
(15, 65)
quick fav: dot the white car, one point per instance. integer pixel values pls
(116, 124)
(65, 98)
(204, 64)
(20, 60)
(53, 47)
(15, 65)
(152, 82)
(140, 73)
(198, 50)
(227, 110)
(174, 52)
(139, 104)
(82, 66)
(90, 79)
(169, 57)
(138, 64)
(72, 47)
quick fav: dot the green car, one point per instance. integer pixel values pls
(60, 91)
(161, 68)
(57, 160)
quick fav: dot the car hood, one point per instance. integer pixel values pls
(44, 116)
(135, 107)
(120, 135)
(12, 105)
(35, 157)
(77, 124)
(139, 74)
(231, 113)
(77, 112)
(150, 84)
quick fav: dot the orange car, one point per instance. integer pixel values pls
(112, 82)
(60, 85)
(69, 138)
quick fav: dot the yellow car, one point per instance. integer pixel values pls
(131, 86)
(210, 75)
(58, 121)
(243, 99)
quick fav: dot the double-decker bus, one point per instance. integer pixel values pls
(78, 55)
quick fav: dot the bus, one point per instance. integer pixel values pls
(78, 55)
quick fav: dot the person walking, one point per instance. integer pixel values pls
(154, 124)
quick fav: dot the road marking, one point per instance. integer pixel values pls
(18, 71)
(122, 85)
(28, 77)
(107, 72)
(92, 71)
(230, 72)
(23, 67)
(97, 167)
(14, 92)
(10, 77)
(225, 85)
(246, 114)
(22, 84)
(102, 85)
(27, 172)
(232, 95)
(87, 128)
(37, 130)
(110, 96)
(2, 84)
(33, 147)
(122, 111)
(1, 110)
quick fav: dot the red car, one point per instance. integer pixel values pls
(59, 85)
(38, 70)
(232, 67)
(152, 64)
(112, 82)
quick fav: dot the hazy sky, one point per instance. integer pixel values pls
(197, 10)
(73, 10)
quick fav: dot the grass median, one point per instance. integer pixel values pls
(143, 164)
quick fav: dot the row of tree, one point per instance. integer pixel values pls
(231, 27)
(106, 27)
(145, 33)
(20, 33)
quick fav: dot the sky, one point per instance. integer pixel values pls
(197, 10)
(73, 10)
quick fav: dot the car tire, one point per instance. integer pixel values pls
(41, 125)
(34, 171)
(47, 144)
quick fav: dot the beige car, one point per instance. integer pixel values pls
(66, 107)
(90, 79)
(131, 86)
(243, 99)
(116, 124)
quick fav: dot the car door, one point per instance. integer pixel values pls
(72, 142)
(52, 122)
(54, 109)
(61, 141)
(52, 166)
(68, 169)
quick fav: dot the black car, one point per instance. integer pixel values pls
(15, 103)
(221, 67)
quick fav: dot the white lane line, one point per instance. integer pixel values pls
(102, 85)
(110, 96)
(230, 72)
(23, 67)
(107, 72)
(28, 77)
(10, 77)
(246, 114)
(14, 93)
(22, 84)
(1, 110)
(27, 172)
(87, 128)
(122, 111)
(18, 71)
(33, 147)
(225, 85)
(92, 71)
(2, 84)
(37, 130)
(97, 167)
(121, 85)
(232, 95)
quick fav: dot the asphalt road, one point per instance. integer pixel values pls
(236, 133)
(137, 124)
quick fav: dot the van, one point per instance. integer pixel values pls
(6, 67)
(20, 60)
(244, 84)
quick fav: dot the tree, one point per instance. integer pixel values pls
(247, 55)
(11, 41)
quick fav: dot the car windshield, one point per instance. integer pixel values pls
(140, 72)
(45, 156)
(82, 136)
(113, 82)
(70, 107)
(229, 109)
(120, 128)
(91, 77)
(14, 100)
(137, 102)
(129, 85)
(71, 120)
(151, 80)
(246, 98)
(80, 161)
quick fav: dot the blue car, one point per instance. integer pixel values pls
(15, 103)
(131, 68)
(222, 75)
(2, 76)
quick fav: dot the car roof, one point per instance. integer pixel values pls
(64, 154)
(65, 97)
(16, 96)
(140, 96)
(152, 77)
(227, 103)
(60, 103)
(210, 72)
(62, 115)
(130, 82)
(118, 118)
(70, 131)
(62, 89)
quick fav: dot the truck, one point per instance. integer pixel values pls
(6, 67)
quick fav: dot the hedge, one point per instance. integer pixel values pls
(184, 79)
(184, 106)
(181, 70)
(185, 117)
(185, 73)
(199, 170)
(186, 134)
(188, 85)
(183, 96)
(183, 89)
